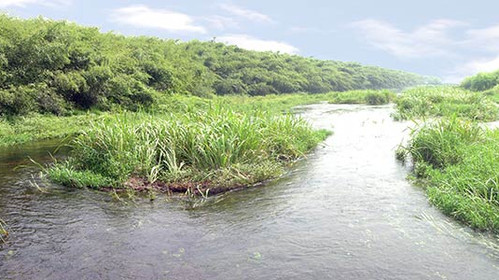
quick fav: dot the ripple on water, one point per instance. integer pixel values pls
(346, 212)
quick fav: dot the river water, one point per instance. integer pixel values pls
(345, 212)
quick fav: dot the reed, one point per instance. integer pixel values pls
(458, 163)
(218, 148)
(368, 97)
(3, 231)
(22, 129)
(445, 101)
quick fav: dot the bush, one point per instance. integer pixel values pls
(18, 100)
(457, 162)
(195, 147)
(369, 97)
(379, 98)
(84, 69)
(481, 81)
(445, 101)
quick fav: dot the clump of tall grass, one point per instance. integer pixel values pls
(369, 97)
(445, 101)
(3, 231)
(458, 162)
(217, 147)
(493, 93)
(18, 130)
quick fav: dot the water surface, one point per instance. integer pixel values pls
(346, 212)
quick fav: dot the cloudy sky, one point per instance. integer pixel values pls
(448, 39)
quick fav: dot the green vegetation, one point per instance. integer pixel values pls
(458, 163)
(22, 129)
(25, 129)
(455, 158)
(488, 83)
(445, 101)
(370, 97)
(3, 232)
(213, 150)
(493, 94)
(57, 67)
(481, 81)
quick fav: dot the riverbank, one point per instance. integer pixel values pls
(455, 155)
(351, 192)
(446, 101)
(35, 127)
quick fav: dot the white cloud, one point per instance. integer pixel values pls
(472, 67)
(485, 33)
(255, 44)
(25, 3)
(221, 22)
(486, 38)
(431, 39)
(246, 13)
(308, 30)
(465, 52)
(483, 65)
(143, 16)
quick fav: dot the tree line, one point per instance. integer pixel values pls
(56, 67)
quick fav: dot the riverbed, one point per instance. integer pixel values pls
(345, 212)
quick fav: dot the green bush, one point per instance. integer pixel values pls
(445, 101)
(369, 97)
(18, 100)
(457, 162)
(193, 147)
(481, 81)
(83, 68)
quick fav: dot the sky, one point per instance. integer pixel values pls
(447, 39)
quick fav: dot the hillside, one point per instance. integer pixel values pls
(55, 67)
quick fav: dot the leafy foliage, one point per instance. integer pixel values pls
(218, 148)
(481, 81)
(441, 101)
(458, 161)
(56, 67)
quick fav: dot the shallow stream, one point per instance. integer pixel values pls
(346, 212)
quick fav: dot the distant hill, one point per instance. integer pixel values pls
(55, 66)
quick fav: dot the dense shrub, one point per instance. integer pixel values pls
(441, 101)
(370, 97)
(80, 67)
(481, 81)
(219, 148)
(458, 162)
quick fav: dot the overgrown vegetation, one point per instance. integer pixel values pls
(488, 83)
(3, 231)
(481, 81)
(445, 101)
(370, 97)
(213, 150)
(55, 67)
(458, 163)
(22, 129)
(25, 129)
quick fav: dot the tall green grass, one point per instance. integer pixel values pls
(458, 163)
(493, 94)
(18, 130)
(3, 231)
(369, 97)
(445, 101)
(218, 148)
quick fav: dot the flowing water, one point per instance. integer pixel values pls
(346, 212)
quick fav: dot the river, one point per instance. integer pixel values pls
(345, 212)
